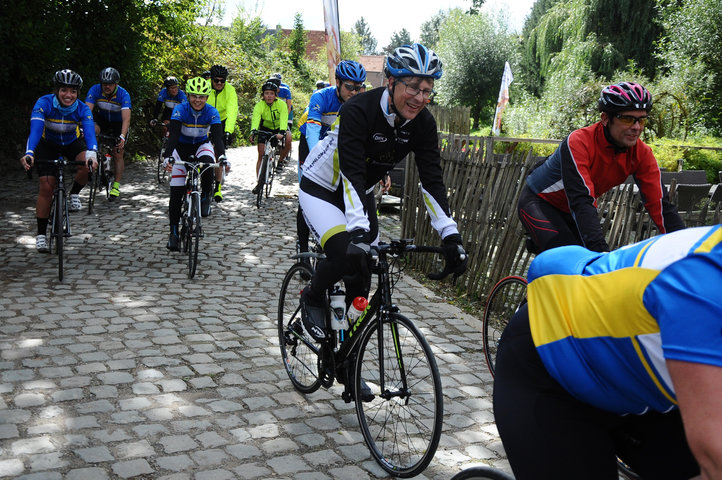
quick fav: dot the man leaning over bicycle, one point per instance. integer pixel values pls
(195, 129)
(55, 130)
(170, 96)
(340, 172)
(270, 115)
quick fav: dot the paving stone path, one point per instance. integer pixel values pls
(128, 369)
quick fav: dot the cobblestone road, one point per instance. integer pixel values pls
(127, 369)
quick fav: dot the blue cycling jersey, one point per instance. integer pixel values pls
(170, 101)
(320, 114)
(284, 92)
(604, 324)
(109, 108)
(60, 125)
(195, 125)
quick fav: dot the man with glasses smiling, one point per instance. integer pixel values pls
(558, 204)
(374, 131)
(224, 98)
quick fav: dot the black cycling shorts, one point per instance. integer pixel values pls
(548, 434)
(51, 151)
(113, 129)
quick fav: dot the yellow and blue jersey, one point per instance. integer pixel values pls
(195, 125)
(109, 108)
(60, 125)
(320, 114)
(604, 324)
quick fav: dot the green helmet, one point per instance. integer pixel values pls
(198, 86)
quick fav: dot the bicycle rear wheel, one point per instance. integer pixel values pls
(402, 424)
(299, 352)
(261, 181)
(504, 300)
(482, 473)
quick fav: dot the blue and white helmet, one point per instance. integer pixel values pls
(351, 70)
(413, 60)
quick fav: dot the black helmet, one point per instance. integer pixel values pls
(275, 81)
(170, 82)
(219, 71)
(206, 74)
(67, 78)
(269, 86)
(624, 96)
(109, 75)
(320, 84)
(278, 76)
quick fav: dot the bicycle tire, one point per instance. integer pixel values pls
(59, 230)
(505, 298)
(93, 184)
(160, 170)
(193, 235)
(402, 424)
(261, 181)
(482, 473)
(298, 350)
(269, 177)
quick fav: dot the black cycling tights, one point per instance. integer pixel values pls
(548, 434)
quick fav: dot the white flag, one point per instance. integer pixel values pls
(333, 36)
(506, 80)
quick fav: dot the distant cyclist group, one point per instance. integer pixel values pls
(615, 355)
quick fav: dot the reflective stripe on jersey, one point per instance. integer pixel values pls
(598, 320)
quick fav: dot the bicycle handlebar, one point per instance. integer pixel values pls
(60, 162)
(406, 245)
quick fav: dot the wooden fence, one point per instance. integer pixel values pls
(483, 192)
(451, 119)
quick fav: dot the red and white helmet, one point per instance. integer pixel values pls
(624, 96)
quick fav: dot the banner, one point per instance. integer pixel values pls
(333, 37)
(506, 80)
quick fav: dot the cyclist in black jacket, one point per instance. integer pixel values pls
(374, 131)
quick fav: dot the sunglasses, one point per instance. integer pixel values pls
(219, 80)
(629, 120)
(351, 87)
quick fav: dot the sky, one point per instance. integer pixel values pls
(383, 17)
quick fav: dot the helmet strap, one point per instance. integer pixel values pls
(399, 118)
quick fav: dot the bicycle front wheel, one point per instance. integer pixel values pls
(298, 350)
(193, 235)
(160, 170)
(270, 172)
(93, 184)
(402, 424)
(59, 230)
(262, 173)
(504, 300)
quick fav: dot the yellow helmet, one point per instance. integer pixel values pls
(198, 86)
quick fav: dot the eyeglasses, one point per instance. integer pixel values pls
(219, 80)
(629, 120)
(413, 91)
(351, 87)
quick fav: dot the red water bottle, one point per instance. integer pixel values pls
(356, 308)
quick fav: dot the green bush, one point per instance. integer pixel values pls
(668, 151)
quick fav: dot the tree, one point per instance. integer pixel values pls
(475, 7)
(430, 29)
(690, 52)
(368, 42)
(297, 43)
(397, 39)
(473, 50)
